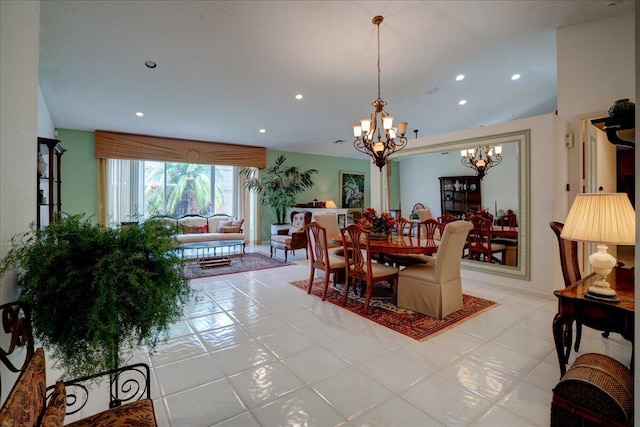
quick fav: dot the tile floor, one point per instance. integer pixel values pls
(253, 350)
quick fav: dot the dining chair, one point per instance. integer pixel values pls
(435, 288)
(447, 218)
(431, 233)
(359, 266)
(479, 243)
(570, 274)
(330, 223)
(320, 257)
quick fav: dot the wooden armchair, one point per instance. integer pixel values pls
(294, 237)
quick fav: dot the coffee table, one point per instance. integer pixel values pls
(208, 261)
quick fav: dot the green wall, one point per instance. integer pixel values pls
(79, 173)
(80, 177)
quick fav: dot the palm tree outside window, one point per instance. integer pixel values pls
(152, 188)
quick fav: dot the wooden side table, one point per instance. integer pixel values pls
(601, 315)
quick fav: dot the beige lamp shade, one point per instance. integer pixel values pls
(330, 204)
(605, 218)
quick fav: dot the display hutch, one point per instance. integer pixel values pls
(460, 194)
(48, 192)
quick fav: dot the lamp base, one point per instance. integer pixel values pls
(602, 288)
(602, 263)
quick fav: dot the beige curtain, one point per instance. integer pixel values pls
(250, 211)
(103, 182)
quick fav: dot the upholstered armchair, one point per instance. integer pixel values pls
(294, 237)
(435, 288)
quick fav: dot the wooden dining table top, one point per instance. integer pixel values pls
(394, 244)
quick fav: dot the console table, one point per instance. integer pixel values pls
(601, 315)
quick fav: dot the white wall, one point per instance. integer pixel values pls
(596, 67)
(420, 174)
(544, 132)
(45, 123)
(19, 47)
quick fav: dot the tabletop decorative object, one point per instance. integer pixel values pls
(380, 225)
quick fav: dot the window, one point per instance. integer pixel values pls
(152, 188)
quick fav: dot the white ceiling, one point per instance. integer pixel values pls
(228, 68)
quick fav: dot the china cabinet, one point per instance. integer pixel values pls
(49, 183)
(460, 194)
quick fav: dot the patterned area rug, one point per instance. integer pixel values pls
(248, 262)
(381, 310)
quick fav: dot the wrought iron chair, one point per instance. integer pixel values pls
(320, 258)
(359, 265)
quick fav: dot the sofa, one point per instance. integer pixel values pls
(197, 228)
(31, 403)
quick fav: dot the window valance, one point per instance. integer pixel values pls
(114, 145)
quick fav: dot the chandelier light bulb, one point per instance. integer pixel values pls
(357, 131)
(366, 125)
(387, 122)
(498, 149)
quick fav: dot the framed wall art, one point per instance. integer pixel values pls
(351, 189)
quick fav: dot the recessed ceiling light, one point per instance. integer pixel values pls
(299, 96)
(139, 114)
(462, 102)
(150, 64)
(515, 77)
(262, 130)
(460, 77)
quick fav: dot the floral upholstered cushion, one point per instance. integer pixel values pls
(26, 400)
(231, 226)
(297, 223)
(54, 414)
(197, 229)
(134, 414)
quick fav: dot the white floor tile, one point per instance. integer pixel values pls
(351, 392)
(188, 373)
(254, 350)
(265, 383)
(315, 364)
(195, 407)
(529, 402)
(300, 408)
(447, 402)
(242, 357)
(396, 412)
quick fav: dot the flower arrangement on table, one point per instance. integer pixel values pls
(380, 225)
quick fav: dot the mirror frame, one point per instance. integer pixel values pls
(522, 138)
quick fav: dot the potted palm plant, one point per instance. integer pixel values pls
(278, 186)
(97, 293)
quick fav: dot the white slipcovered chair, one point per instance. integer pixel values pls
(329, 221)
(435, 288)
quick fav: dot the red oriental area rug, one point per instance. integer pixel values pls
(382, 311)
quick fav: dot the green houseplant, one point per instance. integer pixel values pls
(278, 186)
(96, 292)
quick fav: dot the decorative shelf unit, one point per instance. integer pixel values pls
(460, 194)
(48, 192)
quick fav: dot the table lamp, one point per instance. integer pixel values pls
(330, 204)
(605, 218)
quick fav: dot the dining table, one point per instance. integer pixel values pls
(394, 244)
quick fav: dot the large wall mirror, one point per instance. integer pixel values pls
(504, 187)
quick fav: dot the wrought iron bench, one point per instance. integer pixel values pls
(31, 403)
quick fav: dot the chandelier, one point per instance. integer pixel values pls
(376, 136)
(482, 158)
